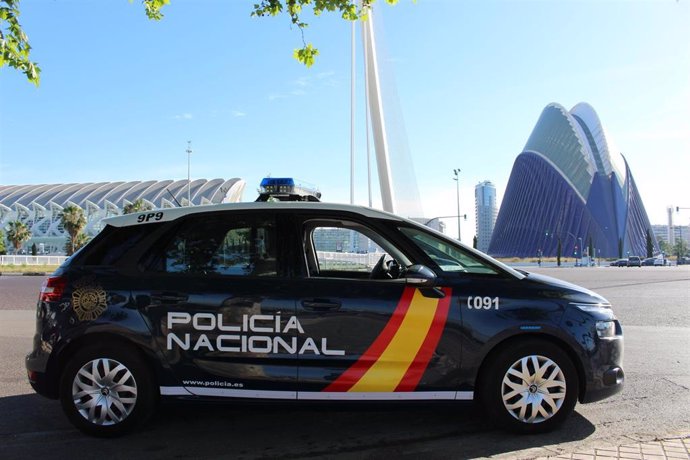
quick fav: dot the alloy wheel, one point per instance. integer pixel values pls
(533, 389)
(104, 391)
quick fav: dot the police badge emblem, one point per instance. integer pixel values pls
(88, 299)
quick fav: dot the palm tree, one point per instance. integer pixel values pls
(18, 234)
(73, 245)
(3, 249)
(73, 221)
(137, 206)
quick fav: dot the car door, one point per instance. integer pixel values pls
(494, 302)
(371, 335)
(215, 293)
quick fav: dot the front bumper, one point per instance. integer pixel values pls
(605, 376)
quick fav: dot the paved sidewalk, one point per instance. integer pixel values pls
(673, 448)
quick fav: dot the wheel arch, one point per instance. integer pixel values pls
(57, 365)
(510, 341)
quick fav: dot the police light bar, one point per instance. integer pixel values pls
(286, 189)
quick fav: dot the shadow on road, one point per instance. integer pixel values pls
(34, 425)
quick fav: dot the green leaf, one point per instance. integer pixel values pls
(306, 55)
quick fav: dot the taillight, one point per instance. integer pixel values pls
(52, 288)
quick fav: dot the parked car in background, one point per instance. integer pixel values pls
(619, 263)
(649, 262)
(661, 262)
(634, 261)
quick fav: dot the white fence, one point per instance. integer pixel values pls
(32, 260)
(348, 259)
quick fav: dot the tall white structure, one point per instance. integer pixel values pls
(485, 213)
(670, 235)
(397, 179)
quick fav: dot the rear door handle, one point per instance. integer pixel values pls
(320, 304)
(168, 297)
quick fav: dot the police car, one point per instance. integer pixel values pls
(307, 301)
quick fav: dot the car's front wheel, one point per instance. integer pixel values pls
(105, 391)
(532, 387)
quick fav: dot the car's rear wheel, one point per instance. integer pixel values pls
(532, 387)
(106, 391)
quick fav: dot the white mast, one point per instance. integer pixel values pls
(373, 90)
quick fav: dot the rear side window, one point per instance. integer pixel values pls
(220, 246)
(115, 242)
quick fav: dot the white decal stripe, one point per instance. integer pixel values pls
(318, 395)
(227, 393)
(174, 391)
(464, 395)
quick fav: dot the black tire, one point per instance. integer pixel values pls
(544, 407)
(114, 378)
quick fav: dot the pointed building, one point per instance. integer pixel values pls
(570, 184)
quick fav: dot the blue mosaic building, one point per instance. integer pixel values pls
(570, 184)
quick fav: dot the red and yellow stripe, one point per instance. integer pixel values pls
(398, 357)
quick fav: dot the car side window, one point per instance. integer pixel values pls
(448, 257)
(233, 247)
(350, 250)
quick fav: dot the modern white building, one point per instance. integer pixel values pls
(39, 206)
(485, 213)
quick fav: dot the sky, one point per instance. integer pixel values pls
(121, 95)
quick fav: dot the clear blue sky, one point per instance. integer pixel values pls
(121, 95)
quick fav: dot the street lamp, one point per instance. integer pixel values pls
(189, 168)
(457, 188)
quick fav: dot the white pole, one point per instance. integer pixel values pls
(377, 116)
(457, 185)
(189, 168)
(366, 118)
(352, 117)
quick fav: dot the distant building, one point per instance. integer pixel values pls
(485, 213)
(570, 185)
(39, 206)
(661, 232)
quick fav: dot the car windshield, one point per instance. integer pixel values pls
(450, 257)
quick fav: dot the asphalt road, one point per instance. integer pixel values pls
(652, 303)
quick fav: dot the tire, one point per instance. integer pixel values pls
(106, 390)
(524, 387)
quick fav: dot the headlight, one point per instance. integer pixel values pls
(592, 307)
(606, 329)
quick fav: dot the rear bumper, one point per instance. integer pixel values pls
(38, 378)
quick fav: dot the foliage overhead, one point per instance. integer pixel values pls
(15, 46)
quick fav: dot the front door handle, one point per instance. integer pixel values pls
(320, 304)
(168, 297)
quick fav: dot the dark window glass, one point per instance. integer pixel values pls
(235, 247)
(114, 242)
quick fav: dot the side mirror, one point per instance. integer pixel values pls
(420, 275)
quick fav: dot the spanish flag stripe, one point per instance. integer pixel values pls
(387, 372)
(348, 378)
(421, 361)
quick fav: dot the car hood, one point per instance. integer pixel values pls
(555, 287)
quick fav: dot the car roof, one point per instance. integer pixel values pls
(170, 214)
